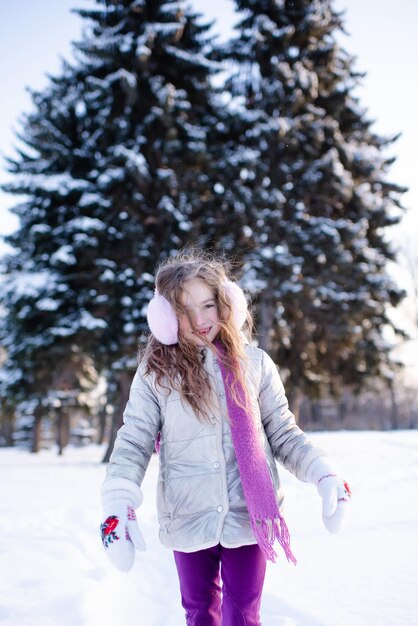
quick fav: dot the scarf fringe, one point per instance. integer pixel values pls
(266, 532)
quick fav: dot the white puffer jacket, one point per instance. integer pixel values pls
(200, 501)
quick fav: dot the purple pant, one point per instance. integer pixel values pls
(242, 571)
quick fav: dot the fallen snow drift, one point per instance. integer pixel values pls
(55, 573)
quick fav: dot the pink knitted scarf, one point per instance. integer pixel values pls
(266, 520)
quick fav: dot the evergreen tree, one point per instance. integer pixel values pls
(321, 200)
(110, 170)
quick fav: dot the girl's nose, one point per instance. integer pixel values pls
(199, 318)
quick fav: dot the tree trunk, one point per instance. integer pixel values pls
(394, 417)
(37, 428)
(295, 402)
(102, 424)
(265, 322)
(7, 428)
(63, 430)
(123, 385)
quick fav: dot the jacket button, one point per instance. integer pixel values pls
(216, 465)
(220, 509)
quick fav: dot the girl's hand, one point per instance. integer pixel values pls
(336, 496)
(121, 535)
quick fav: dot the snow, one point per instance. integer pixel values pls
(126, 78)
(64, 255)
(46, 304)
(87, 320)
(41, 229)
(85, 223)
(31, 284)
(62, 184)
(167, 29)
(135, 160)
(89, 199)
(192, 58)
(57, 572)
(62, 331)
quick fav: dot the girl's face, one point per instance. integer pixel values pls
(200, 303)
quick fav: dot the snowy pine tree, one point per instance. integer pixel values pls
(130, 154)
(109, 168)
(321, 200)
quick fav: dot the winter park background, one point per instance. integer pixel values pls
(54, 569)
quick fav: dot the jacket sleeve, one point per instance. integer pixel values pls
(136, 438)
(290, 445)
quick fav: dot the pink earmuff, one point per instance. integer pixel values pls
(238, 302)
(162, 319)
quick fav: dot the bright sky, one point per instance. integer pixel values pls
(34, 35)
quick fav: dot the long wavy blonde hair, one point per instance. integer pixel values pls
(180, 366)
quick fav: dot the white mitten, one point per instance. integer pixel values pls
(336, 495)
(119, 530)
(334, 491)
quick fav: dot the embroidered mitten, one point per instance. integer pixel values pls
(119, 530)
(334, 491)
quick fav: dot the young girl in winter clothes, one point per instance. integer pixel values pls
(218, 409)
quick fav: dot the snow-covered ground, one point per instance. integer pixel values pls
(54, 571)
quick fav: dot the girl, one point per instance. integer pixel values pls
(218, 407)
